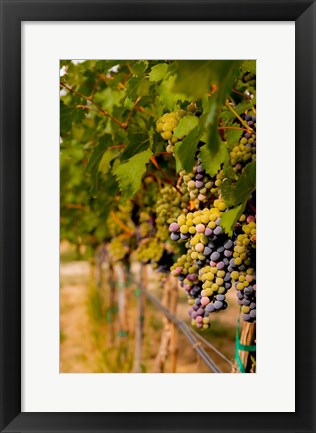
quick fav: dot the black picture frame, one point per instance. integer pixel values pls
(13, 13)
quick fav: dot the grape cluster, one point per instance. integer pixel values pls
(146, 224)
(119, 247)
(149, 250)
(243, 276)
(198, 188)
(204, 272)
(167, 210)
(245, 151)
(166, 125)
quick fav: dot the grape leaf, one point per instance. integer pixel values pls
(212, 160)
(249, 66)
(143, 87)
(167, 96)
(129, 174)
(105, 65)
(138, 141)
(107, 157)
(229, 218)
(185, 126)
(92, 167)
(158, 72)
(68, 116)
(131, 88)
(139, 68)
(233, 136)
(237, 193)
(185, 150)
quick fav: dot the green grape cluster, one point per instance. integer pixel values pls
(167, 210)
(123, 212)
(245, 151)
(149, 250)
(119, 247)
(166, 125)
(145, 227)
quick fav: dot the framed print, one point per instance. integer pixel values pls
(128, 216)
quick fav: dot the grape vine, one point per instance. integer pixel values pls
(158, 161)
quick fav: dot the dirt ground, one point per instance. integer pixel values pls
(90, 341)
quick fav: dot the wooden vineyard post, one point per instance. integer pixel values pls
(162, 354)
(112, 303)
(142, 285)
(173, 309)
(120, 278)
(168, 342)
(247, 338)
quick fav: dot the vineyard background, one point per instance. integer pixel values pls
(121, 309)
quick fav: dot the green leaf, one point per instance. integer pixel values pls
(158, 72)
(232, 137)
(129, 174)
(185, 150)
(224, 74)
(168, 97)
(193, 78)
(213, 159)
(185, 126)
(143, 87)
(107, 157)
(249, 66)
(92, 167)
(131, 88)
(138, 141)
(229, 218)
(105, 65)
(139, 68)
(68, 116)
(237, 193)
(110, 98)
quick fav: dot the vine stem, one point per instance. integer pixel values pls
(142, 110)
(130, 113)
(233, 127)
(75, 206)
(88, 98)
(241, 94)
(167, 179)
(121, 224)
(245, 124)
(116, 146)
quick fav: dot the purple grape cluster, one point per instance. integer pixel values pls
(247, 301)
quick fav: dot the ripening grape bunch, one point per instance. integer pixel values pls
(166, 125)
(205, 271)
(167, 209)
(198, 188)
(245, 151)
(244, 277)
(215, 263)
(168, 122)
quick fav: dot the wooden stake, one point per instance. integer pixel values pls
(120, 278)
(166, 333)
(173, 309)
(247, 338)
(142, 284)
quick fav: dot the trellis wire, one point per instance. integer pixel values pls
(190, 336)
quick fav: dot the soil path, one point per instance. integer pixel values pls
(78, 351)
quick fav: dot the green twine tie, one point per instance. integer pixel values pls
(243, 347)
